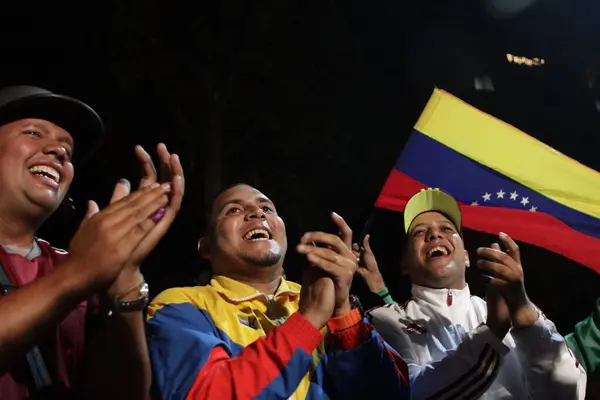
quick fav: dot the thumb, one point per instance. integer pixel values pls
(122, 189)
(92, 209)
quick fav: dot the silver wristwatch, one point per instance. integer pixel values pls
(137, 304)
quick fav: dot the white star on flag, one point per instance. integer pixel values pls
(514, 195)
(525, 200)
(533, 209)
(486, 197)
(474, 203)
(500, 194)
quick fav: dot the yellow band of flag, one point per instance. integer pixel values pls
(511, 152)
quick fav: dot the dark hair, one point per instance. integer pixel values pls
(208, 223)
(208, 231)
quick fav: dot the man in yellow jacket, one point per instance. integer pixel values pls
(250, 333)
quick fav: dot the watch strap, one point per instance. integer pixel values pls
(136, 304)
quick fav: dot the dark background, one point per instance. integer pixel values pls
(311, 101)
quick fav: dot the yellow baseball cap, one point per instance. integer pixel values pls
(432, 199)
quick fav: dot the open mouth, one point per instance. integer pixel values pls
(256, 235)
(437, 251)
(45, 171)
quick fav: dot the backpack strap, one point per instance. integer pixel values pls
(37, 366)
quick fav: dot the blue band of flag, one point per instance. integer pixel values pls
(473, 183)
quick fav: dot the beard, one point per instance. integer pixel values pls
(265, 259)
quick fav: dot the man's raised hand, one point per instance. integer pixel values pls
(105, 240)
(507, 274)
(335, 258)
(171, 172)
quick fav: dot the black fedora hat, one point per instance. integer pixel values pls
(74, 116)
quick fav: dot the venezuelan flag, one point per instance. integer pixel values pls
(505, 180)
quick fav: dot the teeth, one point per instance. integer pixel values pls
(437, 248)
(264, 234)
(46, 171)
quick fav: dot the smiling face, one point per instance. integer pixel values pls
(35, 166)
(247, 233)
(436, 256)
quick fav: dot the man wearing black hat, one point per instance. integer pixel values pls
(49, 347)
(459, 346)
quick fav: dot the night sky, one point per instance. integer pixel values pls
(311, 101)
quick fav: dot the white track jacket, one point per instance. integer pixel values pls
(452, 354)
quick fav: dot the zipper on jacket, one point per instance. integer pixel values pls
(270, 307)
(449, 298)
(271, 310)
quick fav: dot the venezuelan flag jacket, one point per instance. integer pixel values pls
(227, 340)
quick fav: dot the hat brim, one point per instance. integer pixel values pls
(74, 116)
(432, 200)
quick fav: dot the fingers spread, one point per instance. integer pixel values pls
(148, 169)
(165, 162)
(346, 232)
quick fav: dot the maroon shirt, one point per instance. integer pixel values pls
(62, 348)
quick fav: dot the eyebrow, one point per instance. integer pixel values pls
(259, 199)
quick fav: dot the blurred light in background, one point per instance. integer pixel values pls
(530, 62)
(507, 8)
(484, 83)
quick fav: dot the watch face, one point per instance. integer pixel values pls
(144, 290)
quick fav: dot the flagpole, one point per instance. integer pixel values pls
(368, 224)
(367, 228)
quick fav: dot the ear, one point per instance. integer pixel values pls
(467, 261)
(204, 248)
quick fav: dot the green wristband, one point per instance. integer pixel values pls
(385, 295)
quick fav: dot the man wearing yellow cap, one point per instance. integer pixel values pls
(461, 346)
